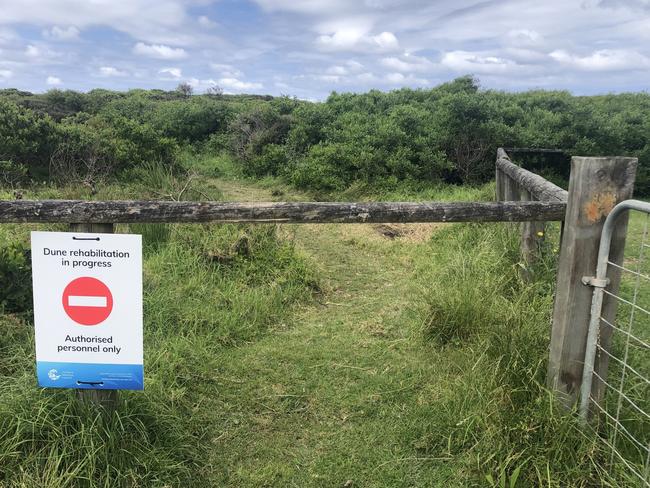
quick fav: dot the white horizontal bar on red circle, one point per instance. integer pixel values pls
(86, 301)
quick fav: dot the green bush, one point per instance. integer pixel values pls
(16, 279)
(26, 138)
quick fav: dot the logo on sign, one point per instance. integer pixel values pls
(53, 374)
(87, 301)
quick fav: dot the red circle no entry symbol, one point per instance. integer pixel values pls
(87, 301)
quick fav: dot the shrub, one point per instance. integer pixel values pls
(26, 138)
(16, 276)
(252, 130)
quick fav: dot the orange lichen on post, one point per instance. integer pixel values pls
(600, 206)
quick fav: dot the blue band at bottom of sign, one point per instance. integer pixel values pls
(90, 376)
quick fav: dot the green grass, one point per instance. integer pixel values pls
(312, 356)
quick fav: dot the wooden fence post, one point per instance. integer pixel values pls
(104, 398)
(511, 189)
(595, 186)
(532, 236)
(500, 185)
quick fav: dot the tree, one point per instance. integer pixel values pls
(214, 90)
(185, 89)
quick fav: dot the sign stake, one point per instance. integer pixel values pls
(107, 399)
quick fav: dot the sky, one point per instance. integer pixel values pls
(310, 48)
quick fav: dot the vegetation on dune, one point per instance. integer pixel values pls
(447, 134)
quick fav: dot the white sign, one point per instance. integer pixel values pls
(88, 310)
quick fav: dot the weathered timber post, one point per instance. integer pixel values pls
(511, 190)
(595, 186)
(532, 236)
(500, 185)
(104, 398)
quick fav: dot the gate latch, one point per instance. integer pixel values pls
(595, 282)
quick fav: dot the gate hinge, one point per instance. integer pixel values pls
(595, 282)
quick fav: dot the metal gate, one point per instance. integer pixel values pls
(615, 391)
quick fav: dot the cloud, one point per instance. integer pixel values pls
(400, 79)
(476, 63)
(32, 51)
(159, 51)
(603, 60)
(156, 21)
(238, 85)
(354, 66)
(205, 21)
(109, 71)
(354, 38)
(5, 74)
(173, 73)
(524, 37)
(385, 41)
(226, 70)
(407, 63)
(54, 81)
(366, 77)
(40, 53)
(7, 35)
(62, 34)
(328, 78)
(337, 70)
(229, 85)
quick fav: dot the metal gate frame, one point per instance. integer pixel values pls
(600, 283)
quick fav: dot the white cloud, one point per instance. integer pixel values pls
(7, 35)
(226, 70)
(53, 80)
(524, 37)
(356, 39)
(328, 78)
(476, 63)
(366, 77)
(32, 51)
(159, 51)
(354, 66)
(229, 85)
(40, 53)
(155, 21)
(205, 21)
(174, 73)
(407, 63)
(603, 60)
(386, 41)
(337, 70)
(400, 79)
(57, 33)
(109, 71)
(238, 85)
(5, 74)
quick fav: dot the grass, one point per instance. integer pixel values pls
(313, 355)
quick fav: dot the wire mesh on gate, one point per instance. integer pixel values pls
(622, 415)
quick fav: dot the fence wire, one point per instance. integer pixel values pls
(622, 416)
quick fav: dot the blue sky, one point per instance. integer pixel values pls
(310, 48)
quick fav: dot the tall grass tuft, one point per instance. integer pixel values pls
(500, 327)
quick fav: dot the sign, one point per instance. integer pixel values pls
(88, 310)
(87, 301)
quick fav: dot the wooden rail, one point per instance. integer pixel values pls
(79, 211)
(538, 187)
(533, 150)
